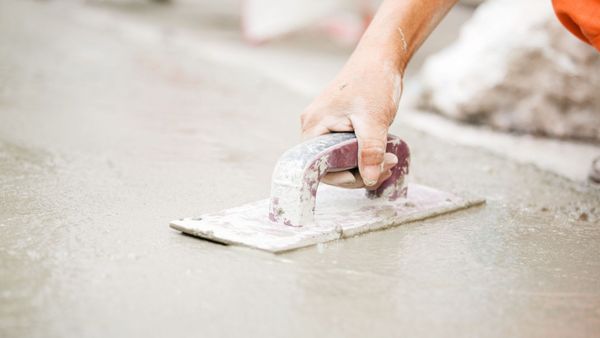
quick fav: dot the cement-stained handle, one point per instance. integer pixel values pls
(299, 170)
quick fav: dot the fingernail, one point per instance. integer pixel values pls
(371, 174)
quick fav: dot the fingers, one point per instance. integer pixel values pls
(317, 123)
(314, 131)
(372, 139)
(349, 179)
(384, 176)
(353, 180)
(343, 179)
(389, 161)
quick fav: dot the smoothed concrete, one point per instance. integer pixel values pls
(106, 137)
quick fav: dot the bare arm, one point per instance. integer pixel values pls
(400, 27)
(364, 96)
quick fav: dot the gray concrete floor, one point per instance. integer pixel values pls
(109, 130)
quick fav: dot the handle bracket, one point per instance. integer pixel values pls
(300, 169)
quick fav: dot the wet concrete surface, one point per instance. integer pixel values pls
(104, 140)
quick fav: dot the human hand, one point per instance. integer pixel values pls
(363, 98)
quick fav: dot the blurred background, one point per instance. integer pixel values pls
(118, 116)
(529, 77)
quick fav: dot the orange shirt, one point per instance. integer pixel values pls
(581, 17)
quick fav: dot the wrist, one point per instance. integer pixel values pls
(385, 43)
(374, 54)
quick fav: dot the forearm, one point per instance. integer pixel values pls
(399, 28)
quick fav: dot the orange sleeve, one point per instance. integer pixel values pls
(581, 17)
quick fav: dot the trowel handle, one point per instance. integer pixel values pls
(299, 170)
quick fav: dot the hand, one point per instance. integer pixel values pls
(363, 98)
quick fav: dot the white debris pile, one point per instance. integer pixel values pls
(516, 68)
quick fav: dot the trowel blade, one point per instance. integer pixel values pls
(340, 213)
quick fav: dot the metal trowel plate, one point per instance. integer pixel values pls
(339, 213)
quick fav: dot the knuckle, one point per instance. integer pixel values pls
(384, 117)
(307, 121)
(378, 116)
(304, 118)
(372, 151)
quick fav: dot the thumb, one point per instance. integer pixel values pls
(372, 140)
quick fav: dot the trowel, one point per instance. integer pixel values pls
(301, 212)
